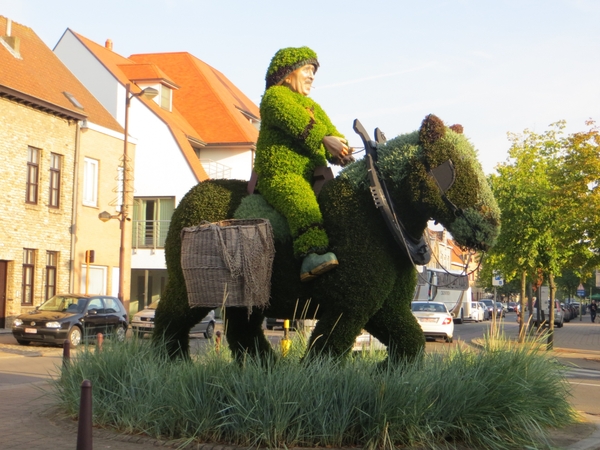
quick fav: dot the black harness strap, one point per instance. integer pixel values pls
(416, 249)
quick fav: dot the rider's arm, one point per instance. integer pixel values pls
(298, 117)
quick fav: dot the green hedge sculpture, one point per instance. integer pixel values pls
(375, 282)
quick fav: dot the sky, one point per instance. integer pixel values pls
(493, 66)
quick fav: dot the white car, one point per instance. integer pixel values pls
(477, 312)
(435, 320)
(143, 322)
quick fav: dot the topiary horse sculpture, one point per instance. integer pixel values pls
(374, 284)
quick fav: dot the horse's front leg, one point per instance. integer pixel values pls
(244, 333)
(394, 324)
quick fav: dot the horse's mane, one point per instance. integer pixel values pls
(397, 156)
(394, 157)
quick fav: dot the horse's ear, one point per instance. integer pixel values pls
(457, 128)
(432, 130)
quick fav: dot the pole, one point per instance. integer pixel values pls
(87, 271)
(123, 213)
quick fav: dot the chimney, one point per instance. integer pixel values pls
(108, 44)
(11, 42)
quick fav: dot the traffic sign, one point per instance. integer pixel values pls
(580, 290)
(497, 280)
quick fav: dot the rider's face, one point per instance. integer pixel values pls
(300, 80)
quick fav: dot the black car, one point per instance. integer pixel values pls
(72, 317)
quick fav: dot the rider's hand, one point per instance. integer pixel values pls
(337, 146)
(344, 160)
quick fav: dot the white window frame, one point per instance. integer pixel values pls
(90, 182)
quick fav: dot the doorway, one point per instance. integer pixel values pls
(3, 267)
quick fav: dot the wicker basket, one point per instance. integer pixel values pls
(232, 257)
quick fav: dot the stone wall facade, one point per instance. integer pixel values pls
(34, 226)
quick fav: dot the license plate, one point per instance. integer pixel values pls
(428, 319)
(31, 330)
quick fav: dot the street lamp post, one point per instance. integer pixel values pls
(123, 215)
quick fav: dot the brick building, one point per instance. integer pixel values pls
(59, 151)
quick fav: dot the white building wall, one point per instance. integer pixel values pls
(99, 81)
(160, 168)
(240, 161)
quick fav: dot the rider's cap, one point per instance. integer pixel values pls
(286, 61)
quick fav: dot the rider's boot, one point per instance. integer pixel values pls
(314, 265)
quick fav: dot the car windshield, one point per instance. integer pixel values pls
(429, 307)
(64, 304)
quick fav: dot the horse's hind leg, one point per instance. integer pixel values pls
(335, 333)
(244, 333)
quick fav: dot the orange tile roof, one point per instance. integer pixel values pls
(208, 100)
(181, 129)
(145, 73)
(40, 77)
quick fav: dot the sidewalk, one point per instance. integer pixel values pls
(28, 420)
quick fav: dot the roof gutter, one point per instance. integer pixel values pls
(40, 104)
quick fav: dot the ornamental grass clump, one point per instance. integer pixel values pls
(497, 398)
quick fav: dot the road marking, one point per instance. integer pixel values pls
(584, 384)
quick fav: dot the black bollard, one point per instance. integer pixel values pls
(84, 428)
(66, 353)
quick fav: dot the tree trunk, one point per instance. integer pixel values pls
(552, 287)
(522, 307)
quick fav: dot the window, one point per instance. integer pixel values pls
(28, 276)
(165, 97)
(111, 306)
(151, 220)
(33, 173)
(55, 165)
(51, 264)
(90, 182)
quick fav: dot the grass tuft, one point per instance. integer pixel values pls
(503, 396)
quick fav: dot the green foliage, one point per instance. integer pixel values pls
(442, 400)
(288, 150)
(549, 198)
(373, 286)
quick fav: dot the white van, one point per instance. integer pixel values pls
(477, 312)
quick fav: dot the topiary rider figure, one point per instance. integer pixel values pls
(296, 136)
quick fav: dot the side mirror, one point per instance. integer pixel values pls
(93, 312)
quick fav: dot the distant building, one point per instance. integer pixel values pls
(199, 126)
(60, 151)
(446, 254)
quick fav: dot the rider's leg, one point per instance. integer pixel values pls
(293, 197)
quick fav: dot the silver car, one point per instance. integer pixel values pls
(143, 322)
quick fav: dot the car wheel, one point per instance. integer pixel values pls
(210, 331)
(23, 342)
(449, 339)
(74, 336)
(560, 325)
(120, 333)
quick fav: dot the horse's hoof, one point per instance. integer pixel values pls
(314, 265)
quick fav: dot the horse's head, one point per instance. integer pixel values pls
(433, 173)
